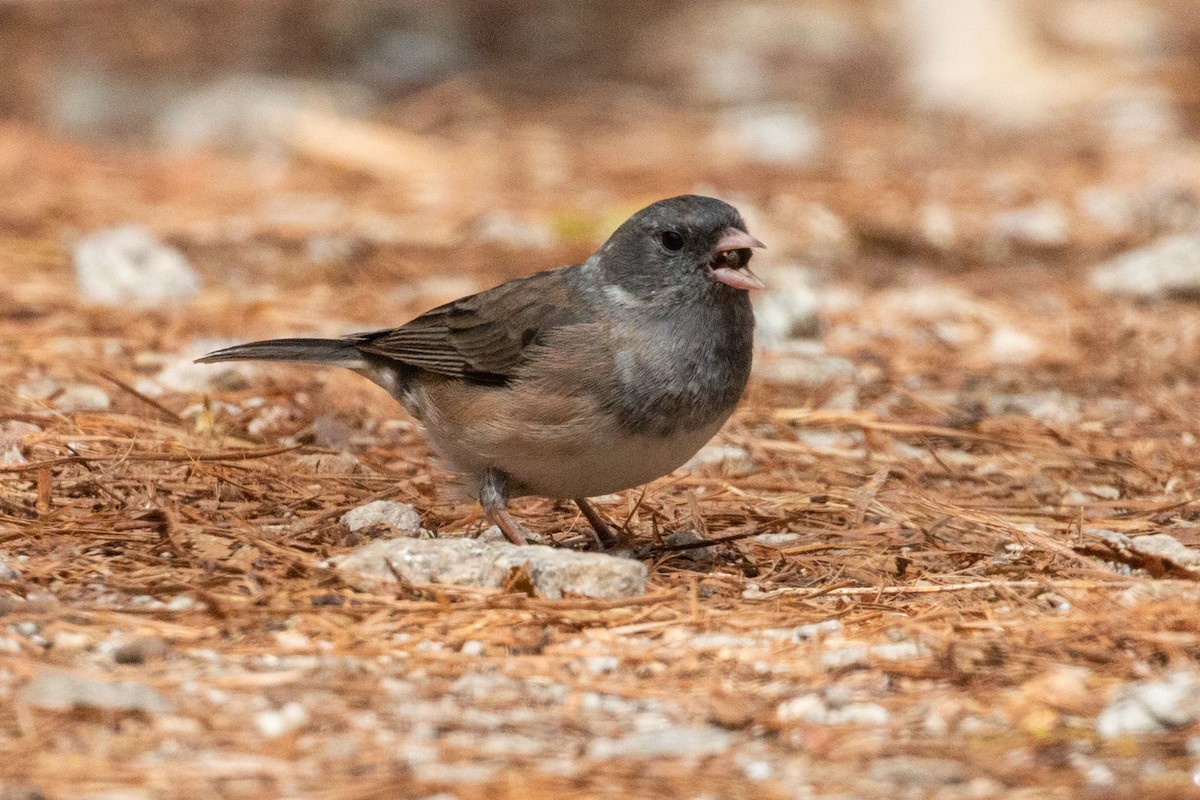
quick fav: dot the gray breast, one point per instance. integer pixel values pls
(683, 372)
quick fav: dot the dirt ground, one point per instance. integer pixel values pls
(924, 577)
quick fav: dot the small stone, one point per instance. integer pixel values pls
(1011, 347)
(789, 308)
(471, 562)
(833, 381)
(698, 554)
(69, 641)
(142, 650)
(503, 228)
(1041, 226)
(472, 647)
(776, 135)
(654, 744)
(127, 266)
(7, 571)
(733, 461)
(54, 690)
(328, 463)
(82, 397)
(1152, 706)
(1168, 267)
(400, 517)
(275, 723)
(913, 771)
(777, 541)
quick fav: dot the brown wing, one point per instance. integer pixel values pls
(483, 337)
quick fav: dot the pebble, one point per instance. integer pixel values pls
(913, 771)
(275, 723)
(184, 375)
(789, 308)
(470, 562)
(812, 709)
(142, 650)
(733, 461)
(128, 267)
(7, 571)
(775, 135)
(82, 397)
(654, 744)
(503, 228)
(702, 555)
(55, 690)
(1168, 267)
(1041, 226)
(472, 647)
(328, 463)
(1152, 706)
(832, 379)
(400, 517)
(1053, 407)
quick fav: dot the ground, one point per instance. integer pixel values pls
(924, 575)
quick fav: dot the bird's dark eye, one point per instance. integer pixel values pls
(672, 240)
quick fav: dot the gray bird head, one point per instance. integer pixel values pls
(687, 247)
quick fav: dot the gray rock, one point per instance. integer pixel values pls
(400, 517)
(1152, 706)
(663, 743)
(127, 266)
(7, 571)
(1168, 267)
(55, 690)
(913, 771)
(470, 562)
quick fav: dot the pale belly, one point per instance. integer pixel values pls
(602, 462)
(619, 462)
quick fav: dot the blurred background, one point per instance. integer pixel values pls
(845, 124)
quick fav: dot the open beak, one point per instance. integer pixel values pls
(740, 277)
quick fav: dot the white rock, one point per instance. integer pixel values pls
(1168, 267)
(833, 380)
(655, 744)
(275, 723)
(1039, 226)
(503, 228)
(733, 460)
(127, 266)
(470, 562)
(1152, 706)
(789, 308)
(82, 397)
(779, 135)
(1011, 347)
(472, 647)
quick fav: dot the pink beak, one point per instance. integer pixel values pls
(733, 239)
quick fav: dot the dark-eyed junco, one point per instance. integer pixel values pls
(578, 381)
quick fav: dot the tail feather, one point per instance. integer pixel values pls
(333, 352)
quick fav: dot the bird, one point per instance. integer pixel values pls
(574, 382)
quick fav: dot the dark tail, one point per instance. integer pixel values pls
(334, 352)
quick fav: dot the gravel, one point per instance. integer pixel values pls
(1152, 706)
(54, 690)
(1168, 267)
(401, 518)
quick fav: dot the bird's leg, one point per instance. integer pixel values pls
(604, 534)
(493, 498)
